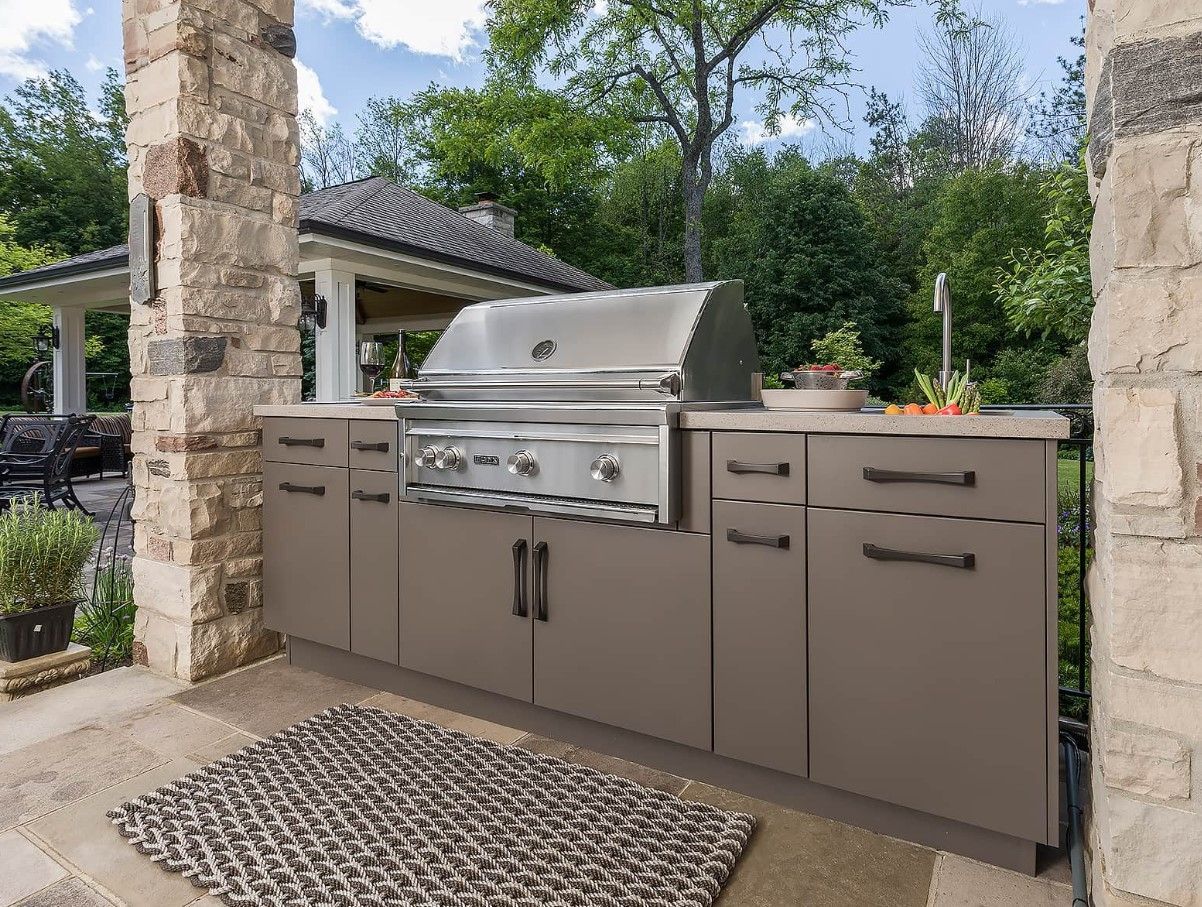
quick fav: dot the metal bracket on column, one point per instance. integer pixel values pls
(141, 249)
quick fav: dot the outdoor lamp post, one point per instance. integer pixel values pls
(46, 339)
(312, 313)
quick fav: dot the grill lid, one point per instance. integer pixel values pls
(687, 343)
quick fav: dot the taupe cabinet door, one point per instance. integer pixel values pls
(457, 597)
(306, 558)
(760, 634)
(374, 567)
(626, 640)
(928, 681)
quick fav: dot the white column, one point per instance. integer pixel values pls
(70, 384)
(337, 369)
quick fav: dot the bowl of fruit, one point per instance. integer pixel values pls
(958, 398)
(817, 388)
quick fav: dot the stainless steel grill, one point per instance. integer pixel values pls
(569, 404)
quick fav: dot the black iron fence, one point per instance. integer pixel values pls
(1075, 523)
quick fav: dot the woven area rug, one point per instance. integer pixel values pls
(357, 806)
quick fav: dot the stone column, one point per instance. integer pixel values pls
(1144, 82)
(213, 141)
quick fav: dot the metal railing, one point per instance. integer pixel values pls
(1074, 692)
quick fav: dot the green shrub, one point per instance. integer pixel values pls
(106, 623)
(42, 555)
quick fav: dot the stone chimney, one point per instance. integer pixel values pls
(491, 213)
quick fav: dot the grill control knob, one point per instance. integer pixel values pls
(427, 457)
(604, 468)
(522, 463)
(448, 458)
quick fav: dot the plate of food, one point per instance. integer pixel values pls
(387, 398)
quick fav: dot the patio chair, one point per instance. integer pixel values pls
(35, 458)
(105, 447)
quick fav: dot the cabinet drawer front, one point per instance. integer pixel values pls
(374, 569)
(960, 477)
(928, 681)
(760, 634)
(306, 569)
(373, 444)
(316, 442)
(760, 466)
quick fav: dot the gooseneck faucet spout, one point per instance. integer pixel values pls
(943, 303)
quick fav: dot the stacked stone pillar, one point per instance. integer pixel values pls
(1144, 83)
(213, 142)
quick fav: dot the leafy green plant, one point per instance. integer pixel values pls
(106, 623)
(42, 555)
(844, 348)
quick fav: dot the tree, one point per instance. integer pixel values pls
(19, 322)
(62, 165)
(327, 155)
(970, 81)
(383, 139)
(1058, 119)
(797, 237)
(680, 64)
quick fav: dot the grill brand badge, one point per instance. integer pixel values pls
(486, 460)
(543, 350)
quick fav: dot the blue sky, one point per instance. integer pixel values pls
(351, 50)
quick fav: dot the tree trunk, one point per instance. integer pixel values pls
(695, 183)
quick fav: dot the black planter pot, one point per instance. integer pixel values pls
(29, 634)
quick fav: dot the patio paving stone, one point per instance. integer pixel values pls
(795, 858)
(67, 893)
(477, 727)
(640, 774)
(961, 882)
(270, 696)
(171, 729)
(50, 774)
(24, 868)
(83, 835)
(79, 704)
(219, 749)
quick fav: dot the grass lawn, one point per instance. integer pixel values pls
(1067, 473)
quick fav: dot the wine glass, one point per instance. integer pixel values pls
(371, 361)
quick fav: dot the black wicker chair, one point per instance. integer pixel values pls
(35, 458)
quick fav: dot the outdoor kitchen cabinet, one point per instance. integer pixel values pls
(374, 553)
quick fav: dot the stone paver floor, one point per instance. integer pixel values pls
(70, 754)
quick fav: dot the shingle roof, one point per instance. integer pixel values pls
(378, 212)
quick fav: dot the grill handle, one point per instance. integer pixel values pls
(967, 477)
(382, 498)
(381, 446)
(519, 579)
(292, 488)
(302, 442)
(965, 561)
(744, 538)
(772, 469)
(540, 582)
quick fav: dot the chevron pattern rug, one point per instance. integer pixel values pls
(361, 807)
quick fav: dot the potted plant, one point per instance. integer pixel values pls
(43, 554)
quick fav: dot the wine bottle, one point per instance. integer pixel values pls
(400, 365)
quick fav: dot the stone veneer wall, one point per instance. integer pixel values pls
(1144, 82)
(213, 140)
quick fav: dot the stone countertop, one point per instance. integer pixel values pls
(998, 424)
(330, 411)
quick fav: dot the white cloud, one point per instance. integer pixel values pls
(790, 127)
(1040, 2)
(448, 28)
(28, 24)
(93, 64)
(311, 97)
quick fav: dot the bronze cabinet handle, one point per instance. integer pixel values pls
(745, 538)
(292, 488)
(967, 477)
(540, 581)
(382, 498)
(302, 442)
(519, 578)
(772, 469)
(381, 446)
(965, 561)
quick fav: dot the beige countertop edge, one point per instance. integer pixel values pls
(1027, 424)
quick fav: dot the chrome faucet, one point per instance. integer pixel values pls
(943, 303)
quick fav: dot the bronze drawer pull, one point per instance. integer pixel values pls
(519, 578)
(963, 561)
(302, 489)
(968, 477)
(540, 582)
(303, 442)
(381, 446)
(772, 469)
(743, 538)
(382, 498)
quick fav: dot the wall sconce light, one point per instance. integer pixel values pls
(46, 339)
(312, 313)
